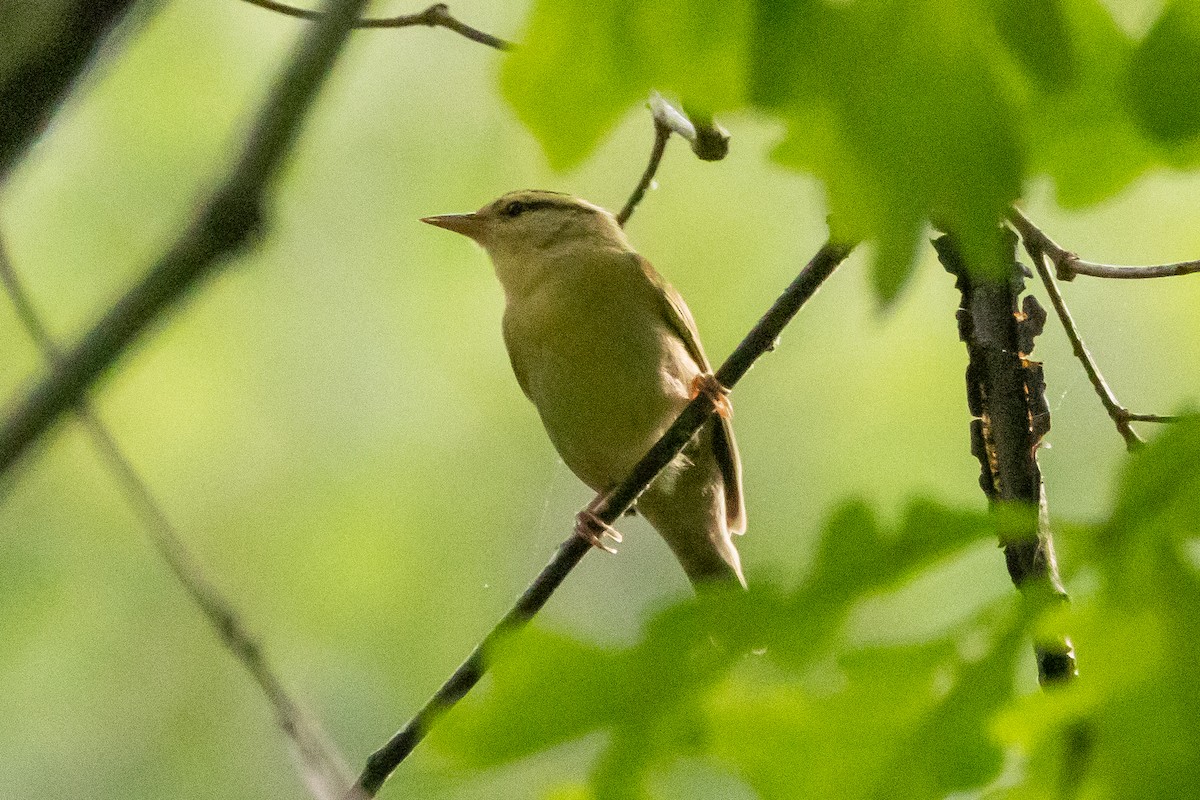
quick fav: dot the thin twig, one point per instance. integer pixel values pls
(1067, 264)
(1039, 247)
(227, 223)
(662, 133)
(323, 768)
(709, 141)
(1165, 418)
(1071, 265)
(608, 508)
(436, 16)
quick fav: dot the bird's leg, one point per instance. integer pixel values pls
(591, 528)
(707, 384)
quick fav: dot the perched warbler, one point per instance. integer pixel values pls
(608, 353)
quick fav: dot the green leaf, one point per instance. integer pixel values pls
(916, 125)
(905, 722)
(1084, 138)
(1164, 75)
(573, 76)
(672, 694)
(1130, 725)
(1039, 36)
(1160, 486)
(582, 65)
(524, 712)
(909, 111)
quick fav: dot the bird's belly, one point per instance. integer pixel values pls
(606, 387)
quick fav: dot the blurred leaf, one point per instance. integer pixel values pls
(1084, 137)
(909, 111)
(1164, 75)
(915, 125)
(689, 682)
(582, 65)
(856, 558)
(1130, 725)
(1160, 485)
(1039, 37)
(525, 713)
(574, 76)
(904, 722)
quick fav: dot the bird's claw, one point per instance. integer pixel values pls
(592, 529)
(707, 384)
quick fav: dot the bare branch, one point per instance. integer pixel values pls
(1166, 418)
(228, 223)
(1072, 265)
(608, 507)
(436, 16)
(1067, 264)
(322, 766)
(1040, 247)
(1007, 400)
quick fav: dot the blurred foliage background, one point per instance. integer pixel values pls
(334, 425)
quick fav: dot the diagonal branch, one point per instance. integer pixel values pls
(1067, 264)
(228, 223)
(33, 87)
(608, 508)
(322, 766)
(436, 16)
(1040, 247)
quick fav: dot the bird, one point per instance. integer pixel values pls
(609, 354)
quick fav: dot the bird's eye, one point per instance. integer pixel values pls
(515, 209)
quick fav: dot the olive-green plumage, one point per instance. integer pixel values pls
(608, 353)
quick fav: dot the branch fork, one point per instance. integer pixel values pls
(1041, 248)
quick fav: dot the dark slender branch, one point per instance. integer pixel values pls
(1040, 247)
(1067, 264)
(608, 508)
(709, 141)
(228, 223)
(1007, 400)
(321, 764)
(436, 16)
(31, 88)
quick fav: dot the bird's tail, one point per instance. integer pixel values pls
(691, 517)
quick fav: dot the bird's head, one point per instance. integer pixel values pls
(528, 230)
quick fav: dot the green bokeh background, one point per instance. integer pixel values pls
(333, 423)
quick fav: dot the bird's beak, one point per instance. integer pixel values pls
(471, 225)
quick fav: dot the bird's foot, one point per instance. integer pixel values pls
(592, 529)
(707, 384)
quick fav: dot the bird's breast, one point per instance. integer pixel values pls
(604, 369)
